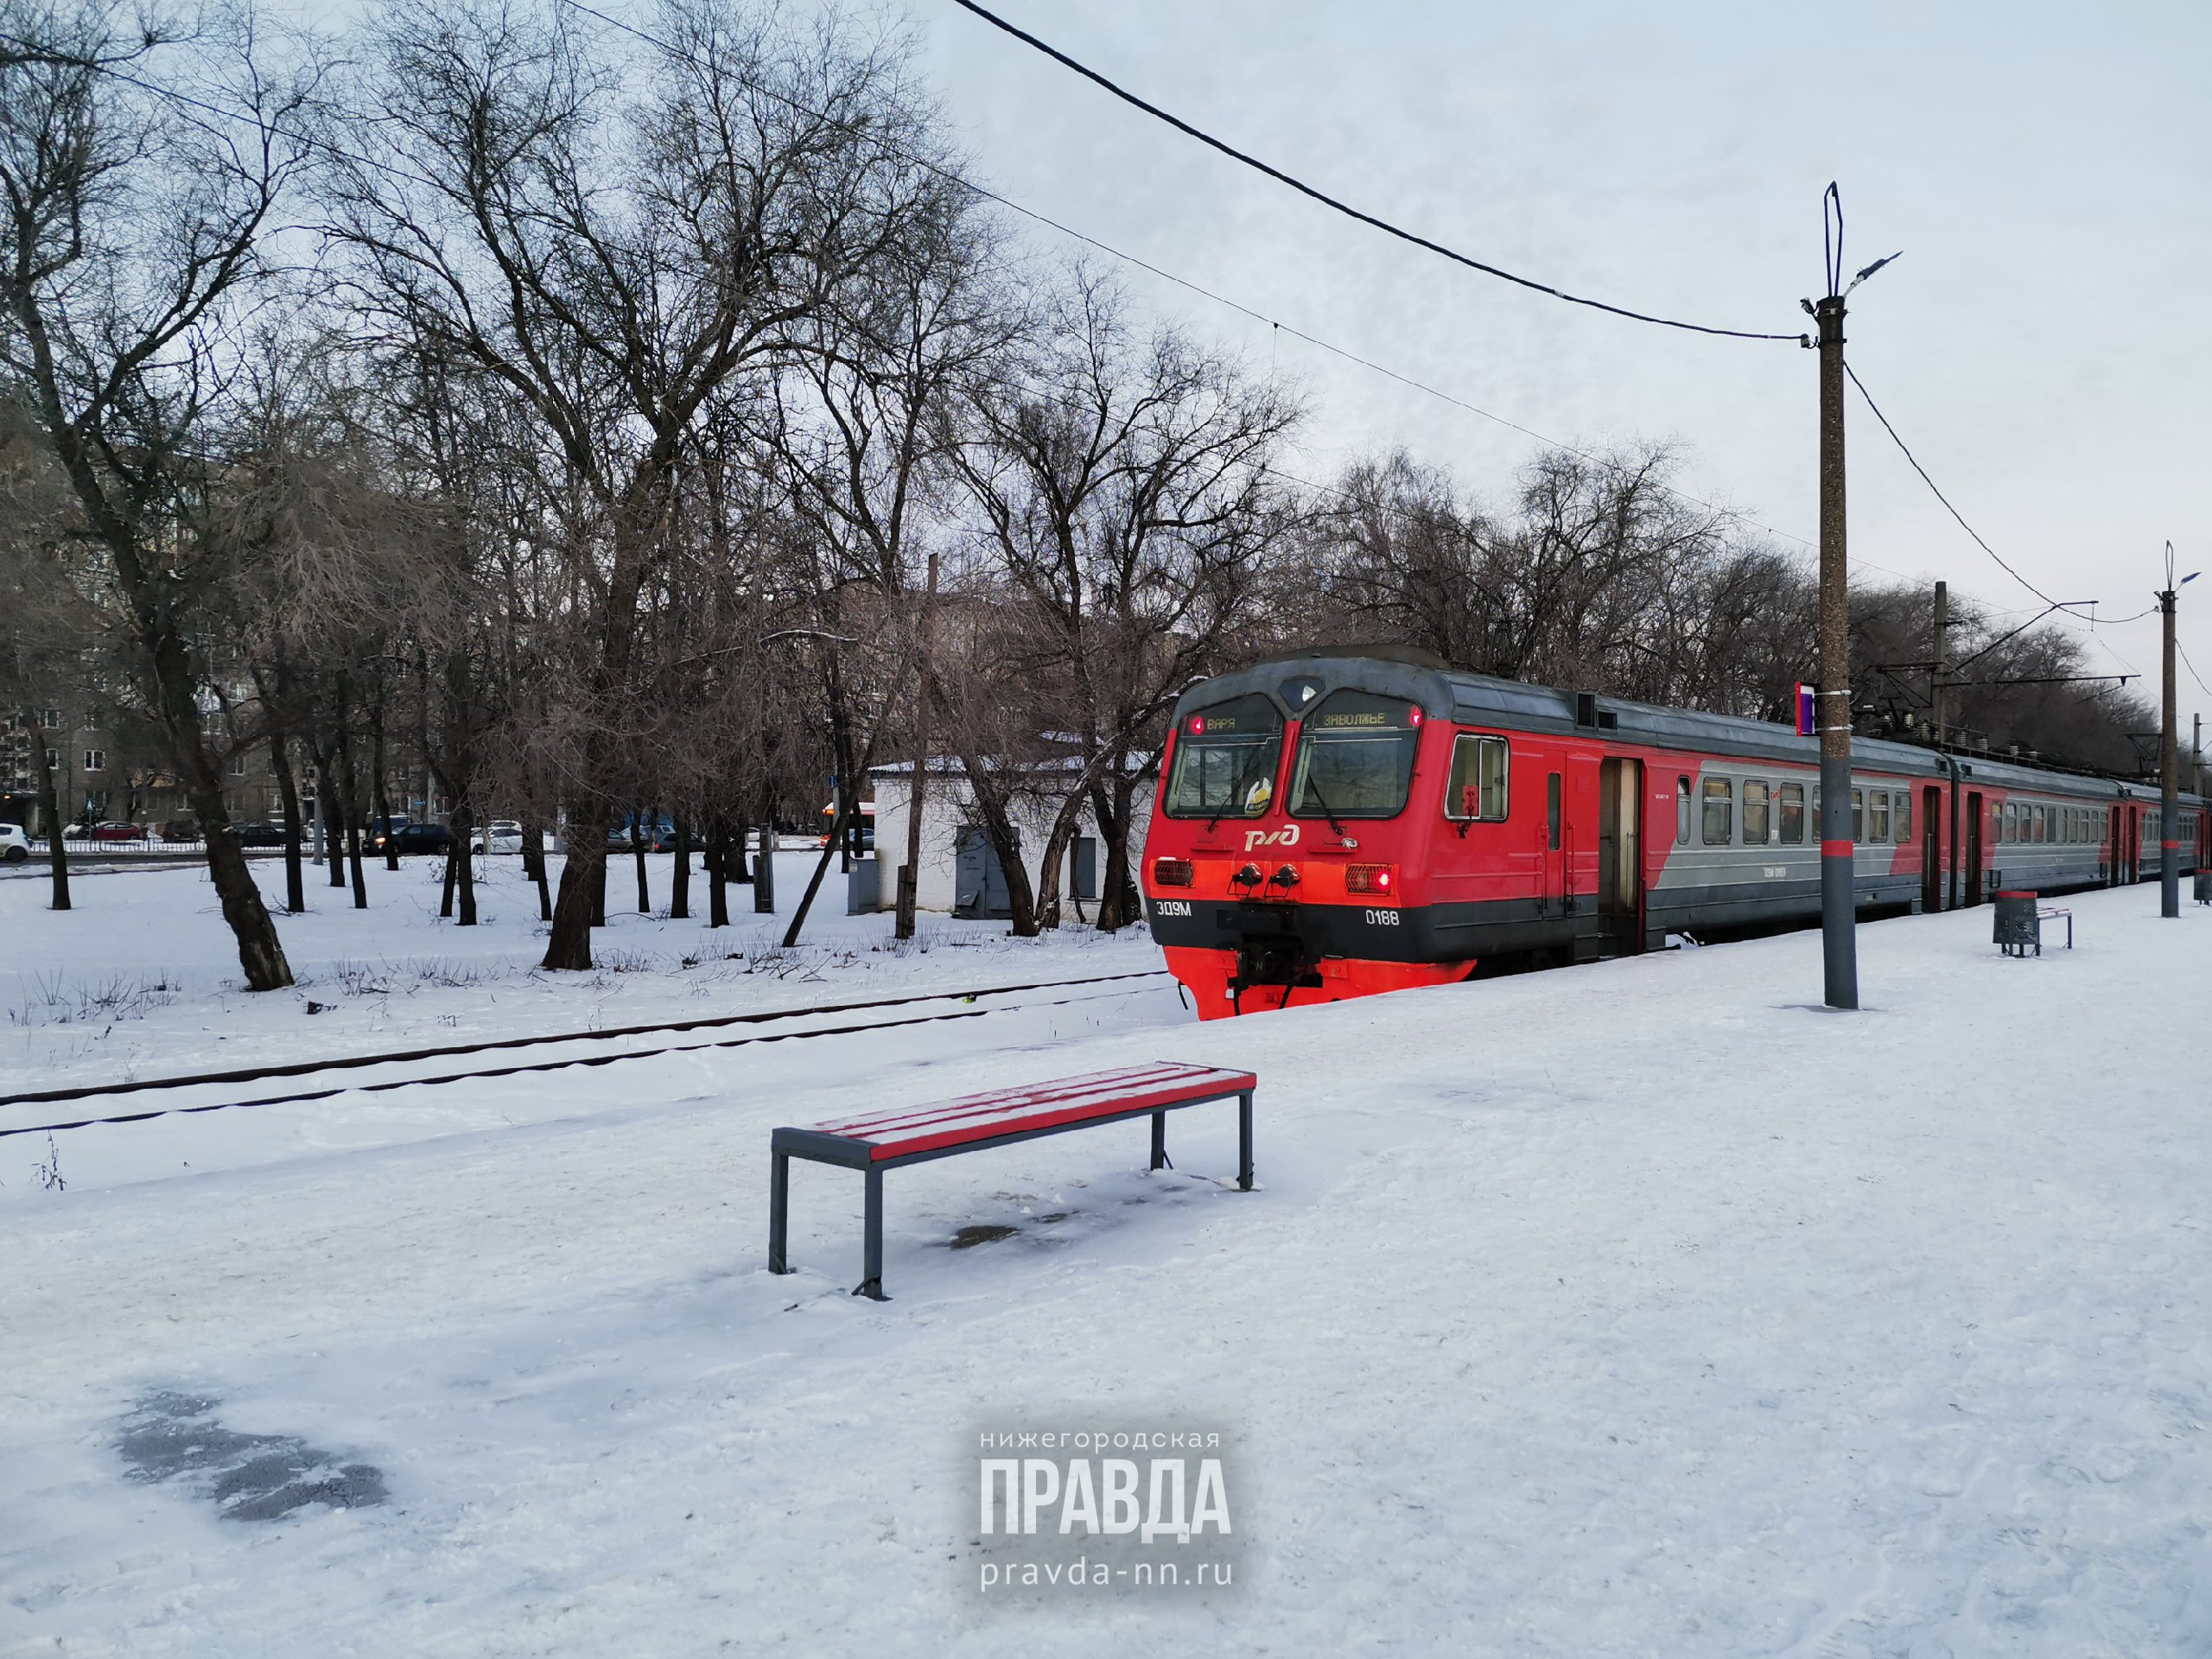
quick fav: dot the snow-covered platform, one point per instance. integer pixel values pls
(1638, 1308)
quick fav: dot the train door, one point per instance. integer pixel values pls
(1620, 855)
(2124, 851)
(1975, 819)
(1555, 883)
(1931, 849)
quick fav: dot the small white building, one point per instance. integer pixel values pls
(959, 871)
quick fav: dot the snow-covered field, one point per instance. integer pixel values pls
(1629, 1309)
(140, 978)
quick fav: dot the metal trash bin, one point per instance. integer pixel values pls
(2017, 930)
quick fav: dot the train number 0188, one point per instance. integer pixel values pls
(1382, 918)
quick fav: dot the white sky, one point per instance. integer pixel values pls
(2047, 170)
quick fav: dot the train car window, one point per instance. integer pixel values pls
(1756, 822)
(1681, 811)
(1793, 814)
(1476, 789)
(1720, 811)
(1901, 817)
(1355, 758)
(1859, 815)
(2008, 830)
(1878, 814)
(2041, 824)
(1225, 759)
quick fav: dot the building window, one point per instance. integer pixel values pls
(1757, 794)
(1477, 788)
(1793, 814)
(1720, 811)
(95, 759)
(50, 718)
(238, 766)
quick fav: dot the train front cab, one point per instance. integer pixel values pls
(1285, 860)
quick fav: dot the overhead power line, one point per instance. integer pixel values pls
(1345, 207)
(2193, 674)
(2055, 605)
(985, 193)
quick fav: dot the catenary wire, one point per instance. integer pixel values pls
(949, 175)
(1904, 450)
(1344, 207)
(1204, 292)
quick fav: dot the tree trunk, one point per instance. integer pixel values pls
(328, 828)
(296, 890)
(463, 820)
(1113, 815)
(764, 873)
(814, 883)
(679, 880)
(639, 837)
(583, 904)
(1053, 861)
(445, 895)
(350, 782)
(49, 807)
(533, 864)
(999, 828)
(717, 874)
(377, 781)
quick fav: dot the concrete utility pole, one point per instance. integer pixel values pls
(1942, 655)
(2170, 757)
(1832, 717)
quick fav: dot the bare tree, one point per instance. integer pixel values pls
(1122, 481)
(134, 249)
(615, 245)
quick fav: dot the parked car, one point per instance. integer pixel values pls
(260, 835)
(118, 832)
(178, 829)
(15, 845)
(659, 837)
(419, 838)
(867, 825)
(500, 835)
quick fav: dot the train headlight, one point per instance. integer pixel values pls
(1171, 872)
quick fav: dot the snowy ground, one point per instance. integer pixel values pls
(140, 978)
(1622, 1309)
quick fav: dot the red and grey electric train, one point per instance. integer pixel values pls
(1334, 824)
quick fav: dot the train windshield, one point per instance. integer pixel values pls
(1355, 758)
(1225, 759)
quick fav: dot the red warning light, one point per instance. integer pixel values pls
(1413, 715)
(1198, 725)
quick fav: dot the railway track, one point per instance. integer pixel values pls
(54, 1120)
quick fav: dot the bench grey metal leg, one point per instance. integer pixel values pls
(1244, 1141)
(1160, 1141)
(779, 1204)
(871, 1284)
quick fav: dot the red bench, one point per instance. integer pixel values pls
(918, 1134)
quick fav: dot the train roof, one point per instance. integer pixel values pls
(1295, 681)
